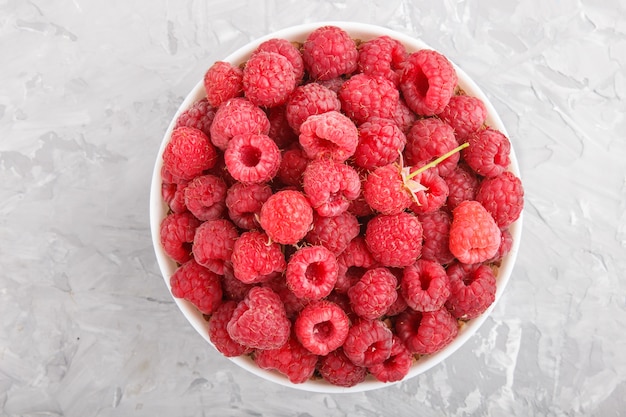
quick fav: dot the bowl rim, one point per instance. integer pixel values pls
(158, 210)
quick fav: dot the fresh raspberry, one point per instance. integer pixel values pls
(177, 231)
(237, 116)
(244, 202)
(252, 158)
(321, 327)
(404, 116)
(330, 186)
(506, 244)
(232, 288)
(368, 343)
(329, 135)
(223, 81)
(188, 153)
(219, 335)
(308, 100)
(200, 115)
(291, 359)
(213, 244)
(436, 231)
(462, 185)
(428, 332)
(366, 96)
(286, 217)
(394, 240)
(198, 285)
(435, 194)
(473, 290)
(397, 366)
(174, 196)
(338, 370)
(373, 294)
(268, 79)
(427, 82)
(280, 131)
(254, 259)
(385, 192)
(466, 114)
(292, 166)
(260, 321)
(503, 197)
(425, 285)
(169, 178)
(204, 197)
(488, 152)
(353, 263)
(427, 140)
(380, 143)
(334, 233)
(474, 234)
(288, 50)
(329, 52)
(312, 272)
(383, 56)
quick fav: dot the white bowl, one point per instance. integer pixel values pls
(158, 210)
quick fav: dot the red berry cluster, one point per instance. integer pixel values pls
(337, 207)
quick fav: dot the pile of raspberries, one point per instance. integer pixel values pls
(337, 208)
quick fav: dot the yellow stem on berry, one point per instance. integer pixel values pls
(438, 160)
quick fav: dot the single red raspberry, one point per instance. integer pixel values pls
(382, 56)
(174, 196)
(462, 185)
(286, 217)
(232, 288)
(366, 96)
(307, 100)
(334, 233)
(368, 343)
(474, 234)
(427, 140)
(219, 335)
(435, 194)
(252, 158)
(394, 240)
(473, 290)
(288, 50)
(506, 244)
(329, 52)
(200, 115)
(213, 244)
(223, 81)
(268, 79)
(466, 114)
(329, 135)
(312, 272)
(503, 197)
(374, 293)
(404, 116)
(198, 285)
(380, 143)
(177, 231)
(244, 202)
(425, 285)
(280, 131)
(436, 231)
(321, 327)
(330, 186)
(424, 333)
(385, 192)
(397, 366)
(292, 166)
(338, 370)
(254, 259)
(353, 263)
(291, 359)
(188, 153)
(260, 321)
(427, 82)
(488, 152)
(204, 197)
(237, 116)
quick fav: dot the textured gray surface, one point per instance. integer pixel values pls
(87, 327)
